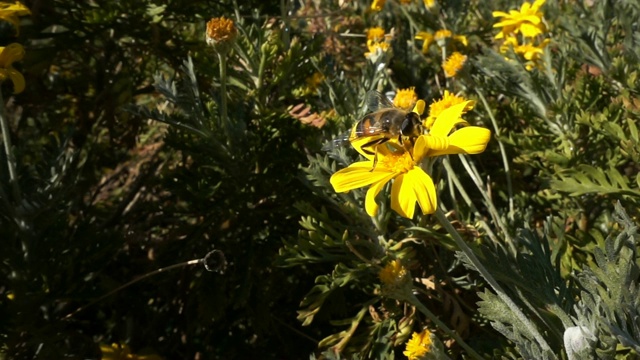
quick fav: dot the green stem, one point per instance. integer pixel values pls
(423, 309)
(224, 120)
(503, 153)
(11, 159)
(492, 282)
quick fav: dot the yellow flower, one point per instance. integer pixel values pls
(448, 100)
(453, 64)
(376, 48)
(220, 33)
(442, 34)
(122, 352)
(11, 12)
(377, 5)
(427, 39)
(529, 51)
(9, 55)
(375, 34)
(411, 183)
(406, 98)
(527, 21)
(393, 274)
(429, 3)
(419, 345)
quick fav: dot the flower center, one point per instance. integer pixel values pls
(398, 163)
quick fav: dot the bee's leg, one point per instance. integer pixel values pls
(375, 159)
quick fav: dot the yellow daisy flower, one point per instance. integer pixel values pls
(220, 33)
(427, 39)
(8, 55)
(405, 98)
(448, 100)
(453, 64)
(375, 34)
(527, 21)
(377, 5)
(419, 345)
(429, 3)
(411, 183)
(394, 274)
(11, 12)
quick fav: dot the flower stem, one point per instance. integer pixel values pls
(492, 281)
(503, 153)
(423, 309)
(11, 159)
(224, 120)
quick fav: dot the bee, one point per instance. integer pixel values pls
(385, 122)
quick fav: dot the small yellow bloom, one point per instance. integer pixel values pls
(411, 184)
(442, 34)
(453, 64)
(375, 34)
(405, 98)
(376, 48)
(220, 31)
(429, 3)
(448, 100)
(377, 5)
(393, 274)
(419, 345)
(9, 55)
(11, 12)
(530, 52)
(527, 21)
(427, 39)
(122, 352)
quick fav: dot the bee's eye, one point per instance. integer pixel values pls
(410, 124)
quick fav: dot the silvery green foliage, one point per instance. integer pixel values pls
(603, 321)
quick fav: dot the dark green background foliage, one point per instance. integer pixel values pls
(107, 196)
(125, 167)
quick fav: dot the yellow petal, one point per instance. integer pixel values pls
(370, 204)
(447, 119)
(357, 175)
(17, 79)
(419, 108)
(468, 140)
(424, 189)
(403, 198)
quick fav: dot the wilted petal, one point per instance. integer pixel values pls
(468, 140)
(358, 175)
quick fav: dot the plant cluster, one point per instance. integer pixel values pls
(362, 179)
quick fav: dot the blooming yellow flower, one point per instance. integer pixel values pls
(427, 39)
(220, 32)
(530, 52)
(453, 64)
(122, 352)
(375, 34)
(411, 183)
(9, 55)
(429, 3)
(448, 100)
(393, 274)
(377, 5)
(376, 47)
(405, 98)
(419, 345)
(11, 12)
(441, 35)
(527, 21)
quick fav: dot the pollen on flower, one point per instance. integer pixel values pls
(419, 345)
(453, 64)
(405, 98)
(220, 30)
(394, 274)
(398, 163)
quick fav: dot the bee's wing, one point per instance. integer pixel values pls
(377, 101)
(341, 140)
